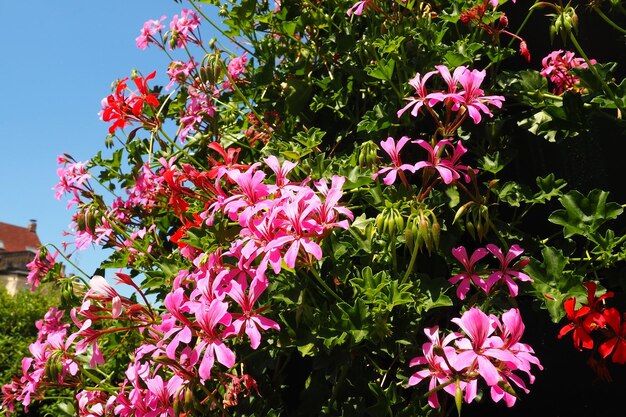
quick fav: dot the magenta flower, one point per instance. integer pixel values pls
(182, 28)
(423, 98)
(249, 320)
(448, 168)
(506, 272)
(474, 99)
(149, 29)
(393, 150)
(358, 7)
(469, 275)
(438, 369)
(557, 67)
(476, 351)
(209, 316)
(511, 331)
(237, 66)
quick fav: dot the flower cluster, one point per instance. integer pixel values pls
(122, 109)
(508, 272)
(73, 179)
(468, 99)
(182, 31)
(443, 158)
(594, 324)
(488, 349)
(38, 268)
(51, 362)
(557, 66)
(282, 223)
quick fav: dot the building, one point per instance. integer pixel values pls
(18, 246)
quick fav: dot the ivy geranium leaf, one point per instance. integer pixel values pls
(552, 282)
(584, 215)
(549, 186)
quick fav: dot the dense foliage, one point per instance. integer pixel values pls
(19, 315)
(346, 208)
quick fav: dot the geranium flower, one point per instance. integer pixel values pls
(581, 336)
(469, 275)
(419, 84)
(507, 272)
(448, 168)
(473, 96)
(393, 150)
(477, 351)
(616, 345)
(438, 369)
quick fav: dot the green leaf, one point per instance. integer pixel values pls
(551, 282)
(383, 69)
(584, 215)
(549, 187)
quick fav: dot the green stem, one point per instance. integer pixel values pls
(231, 38)
(608, 20)
(70, 262)
(319, 279)
(521, 26)
(411, 264)
(605, 87)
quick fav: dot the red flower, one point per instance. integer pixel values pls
(595, 319)
(582, 339)
(122, 110)
(616, 344)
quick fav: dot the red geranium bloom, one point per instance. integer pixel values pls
(581, 336)
(595, 319)
(616, 344)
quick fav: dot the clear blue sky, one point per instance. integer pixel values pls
(58, 61)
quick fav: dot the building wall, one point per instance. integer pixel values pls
(12, 282)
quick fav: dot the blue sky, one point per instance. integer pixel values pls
(59, 59)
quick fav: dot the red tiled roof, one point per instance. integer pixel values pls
(17, 238)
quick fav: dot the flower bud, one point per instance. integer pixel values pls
(367, 156)
(504, 21)
(458, 397)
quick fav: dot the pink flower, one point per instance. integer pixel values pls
(447, 168)
(393, 150)
(182, 28)
(39, 267)
(506, 273)
(208, 317)
(469, 275)
(237, 66)
(179, 72)
(423, 98)
(100, 287)
(476, 351)
(438, 369)
(150, 28)
(473, 96)
(557, 67)
(249, 320)
(358, 7)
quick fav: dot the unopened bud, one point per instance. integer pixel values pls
(504, 21)
(458, 397)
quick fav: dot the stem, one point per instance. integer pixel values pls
(319, 279)
(608, 20)
(193, 3)
(605, 87)
(411, 264)
(521, 26)
(71, 263)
